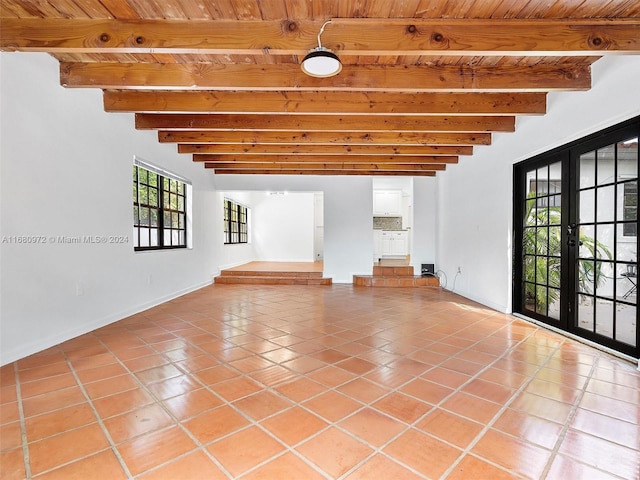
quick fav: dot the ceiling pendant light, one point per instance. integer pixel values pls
(321, 62)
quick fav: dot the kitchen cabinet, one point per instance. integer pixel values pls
(394, 243)
(377, 244)
(399, 243)
(387, 203)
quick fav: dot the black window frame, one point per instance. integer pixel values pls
(236, 223)
(630, 209)
(160, 207)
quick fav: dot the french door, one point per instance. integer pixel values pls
(576, 238)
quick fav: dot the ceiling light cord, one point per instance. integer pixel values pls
(321, 31)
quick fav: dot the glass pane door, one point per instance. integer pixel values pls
(576, 238)
(542, 240)
(605, 255)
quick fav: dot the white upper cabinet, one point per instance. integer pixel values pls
(387, 203)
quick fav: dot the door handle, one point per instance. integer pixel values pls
(572, 243)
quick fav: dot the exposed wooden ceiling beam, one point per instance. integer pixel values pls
(327, 123)
(346, 36)
(324, 138)
(369, 103)
(327, 172)
(287, 77)
(413, 167)
(391, 173)
(322, 159)
(303, 150)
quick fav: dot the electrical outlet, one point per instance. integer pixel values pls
(459, 270)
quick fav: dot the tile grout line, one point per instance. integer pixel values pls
(331, 424)
(570, 417)
(504, 407)
(549, 356)
(157, 401)
(23, 427)
(98, 418)
(434, 407)
(350, 326)
(230, 405)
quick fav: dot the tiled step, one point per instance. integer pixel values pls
(260, 273)
(392, 271)
(273, 278)
(395, 281)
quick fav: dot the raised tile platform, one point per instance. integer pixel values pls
(394, 276)
(274, 273)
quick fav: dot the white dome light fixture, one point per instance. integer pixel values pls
(321, 62)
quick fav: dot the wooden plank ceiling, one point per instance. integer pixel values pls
(423, 81)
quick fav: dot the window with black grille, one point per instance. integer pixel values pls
(235, 222)
(159, 209)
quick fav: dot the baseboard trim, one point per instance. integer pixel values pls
(482, 301)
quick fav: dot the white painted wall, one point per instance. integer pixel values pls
(348, 210)
(423, 246)
(283, 226)
(65, 170)
(475, 197)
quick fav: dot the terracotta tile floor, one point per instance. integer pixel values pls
(268, 382)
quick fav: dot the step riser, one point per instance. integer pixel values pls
(398, 282)
(270, 280)
(390, 271)
(227, 273)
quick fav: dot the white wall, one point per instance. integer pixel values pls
(475, 196)
(423, 247)
(65, 170)
(348, 210)
(283, 226)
